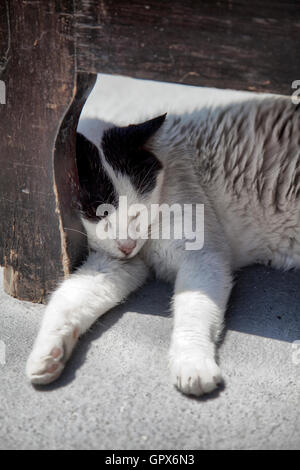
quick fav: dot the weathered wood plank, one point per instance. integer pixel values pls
(228, 44)
(66, 176)
(5, 34)
(38, 175)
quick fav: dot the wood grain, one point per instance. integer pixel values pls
(227, 44)
(38, 175)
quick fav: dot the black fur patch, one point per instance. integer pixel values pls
(95, 185)
(124, 149)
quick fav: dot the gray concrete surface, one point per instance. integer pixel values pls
(115, 392)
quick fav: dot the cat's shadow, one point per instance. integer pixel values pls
(264, 302)
(137, 302)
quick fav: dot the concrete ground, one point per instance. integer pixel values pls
(115, 392)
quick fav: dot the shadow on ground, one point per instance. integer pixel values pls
(264, 302)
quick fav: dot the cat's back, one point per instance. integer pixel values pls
(246, 156)
(250, 167)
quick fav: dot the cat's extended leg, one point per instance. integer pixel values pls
(202, 288)
(100, 284)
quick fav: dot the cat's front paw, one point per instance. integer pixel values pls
(194, 373)
(48, 358)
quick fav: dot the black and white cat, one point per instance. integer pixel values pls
(242, 161)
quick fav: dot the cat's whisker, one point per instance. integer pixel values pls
(74, 230)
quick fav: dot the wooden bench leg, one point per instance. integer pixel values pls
(38, 176)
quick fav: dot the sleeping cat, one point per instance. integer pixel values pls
(242, 162)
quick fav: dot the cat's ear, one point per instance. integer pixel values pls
(142, 132)
(87, 157)
(132, 136)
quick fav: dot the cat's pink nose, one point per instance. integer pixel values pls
(126, 246)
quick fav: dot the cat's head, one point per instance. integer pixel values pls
(117, 184)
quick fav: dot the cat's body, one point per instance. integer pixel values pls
(242, 161)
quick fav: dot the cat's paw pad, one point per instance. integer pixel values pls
(43, 368)
(48, 358)
(195, 374)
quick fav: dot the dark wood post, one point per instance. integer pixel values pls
(38, 178)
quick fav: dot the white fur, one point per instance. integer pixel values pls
(99, 285)
(218, 156)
